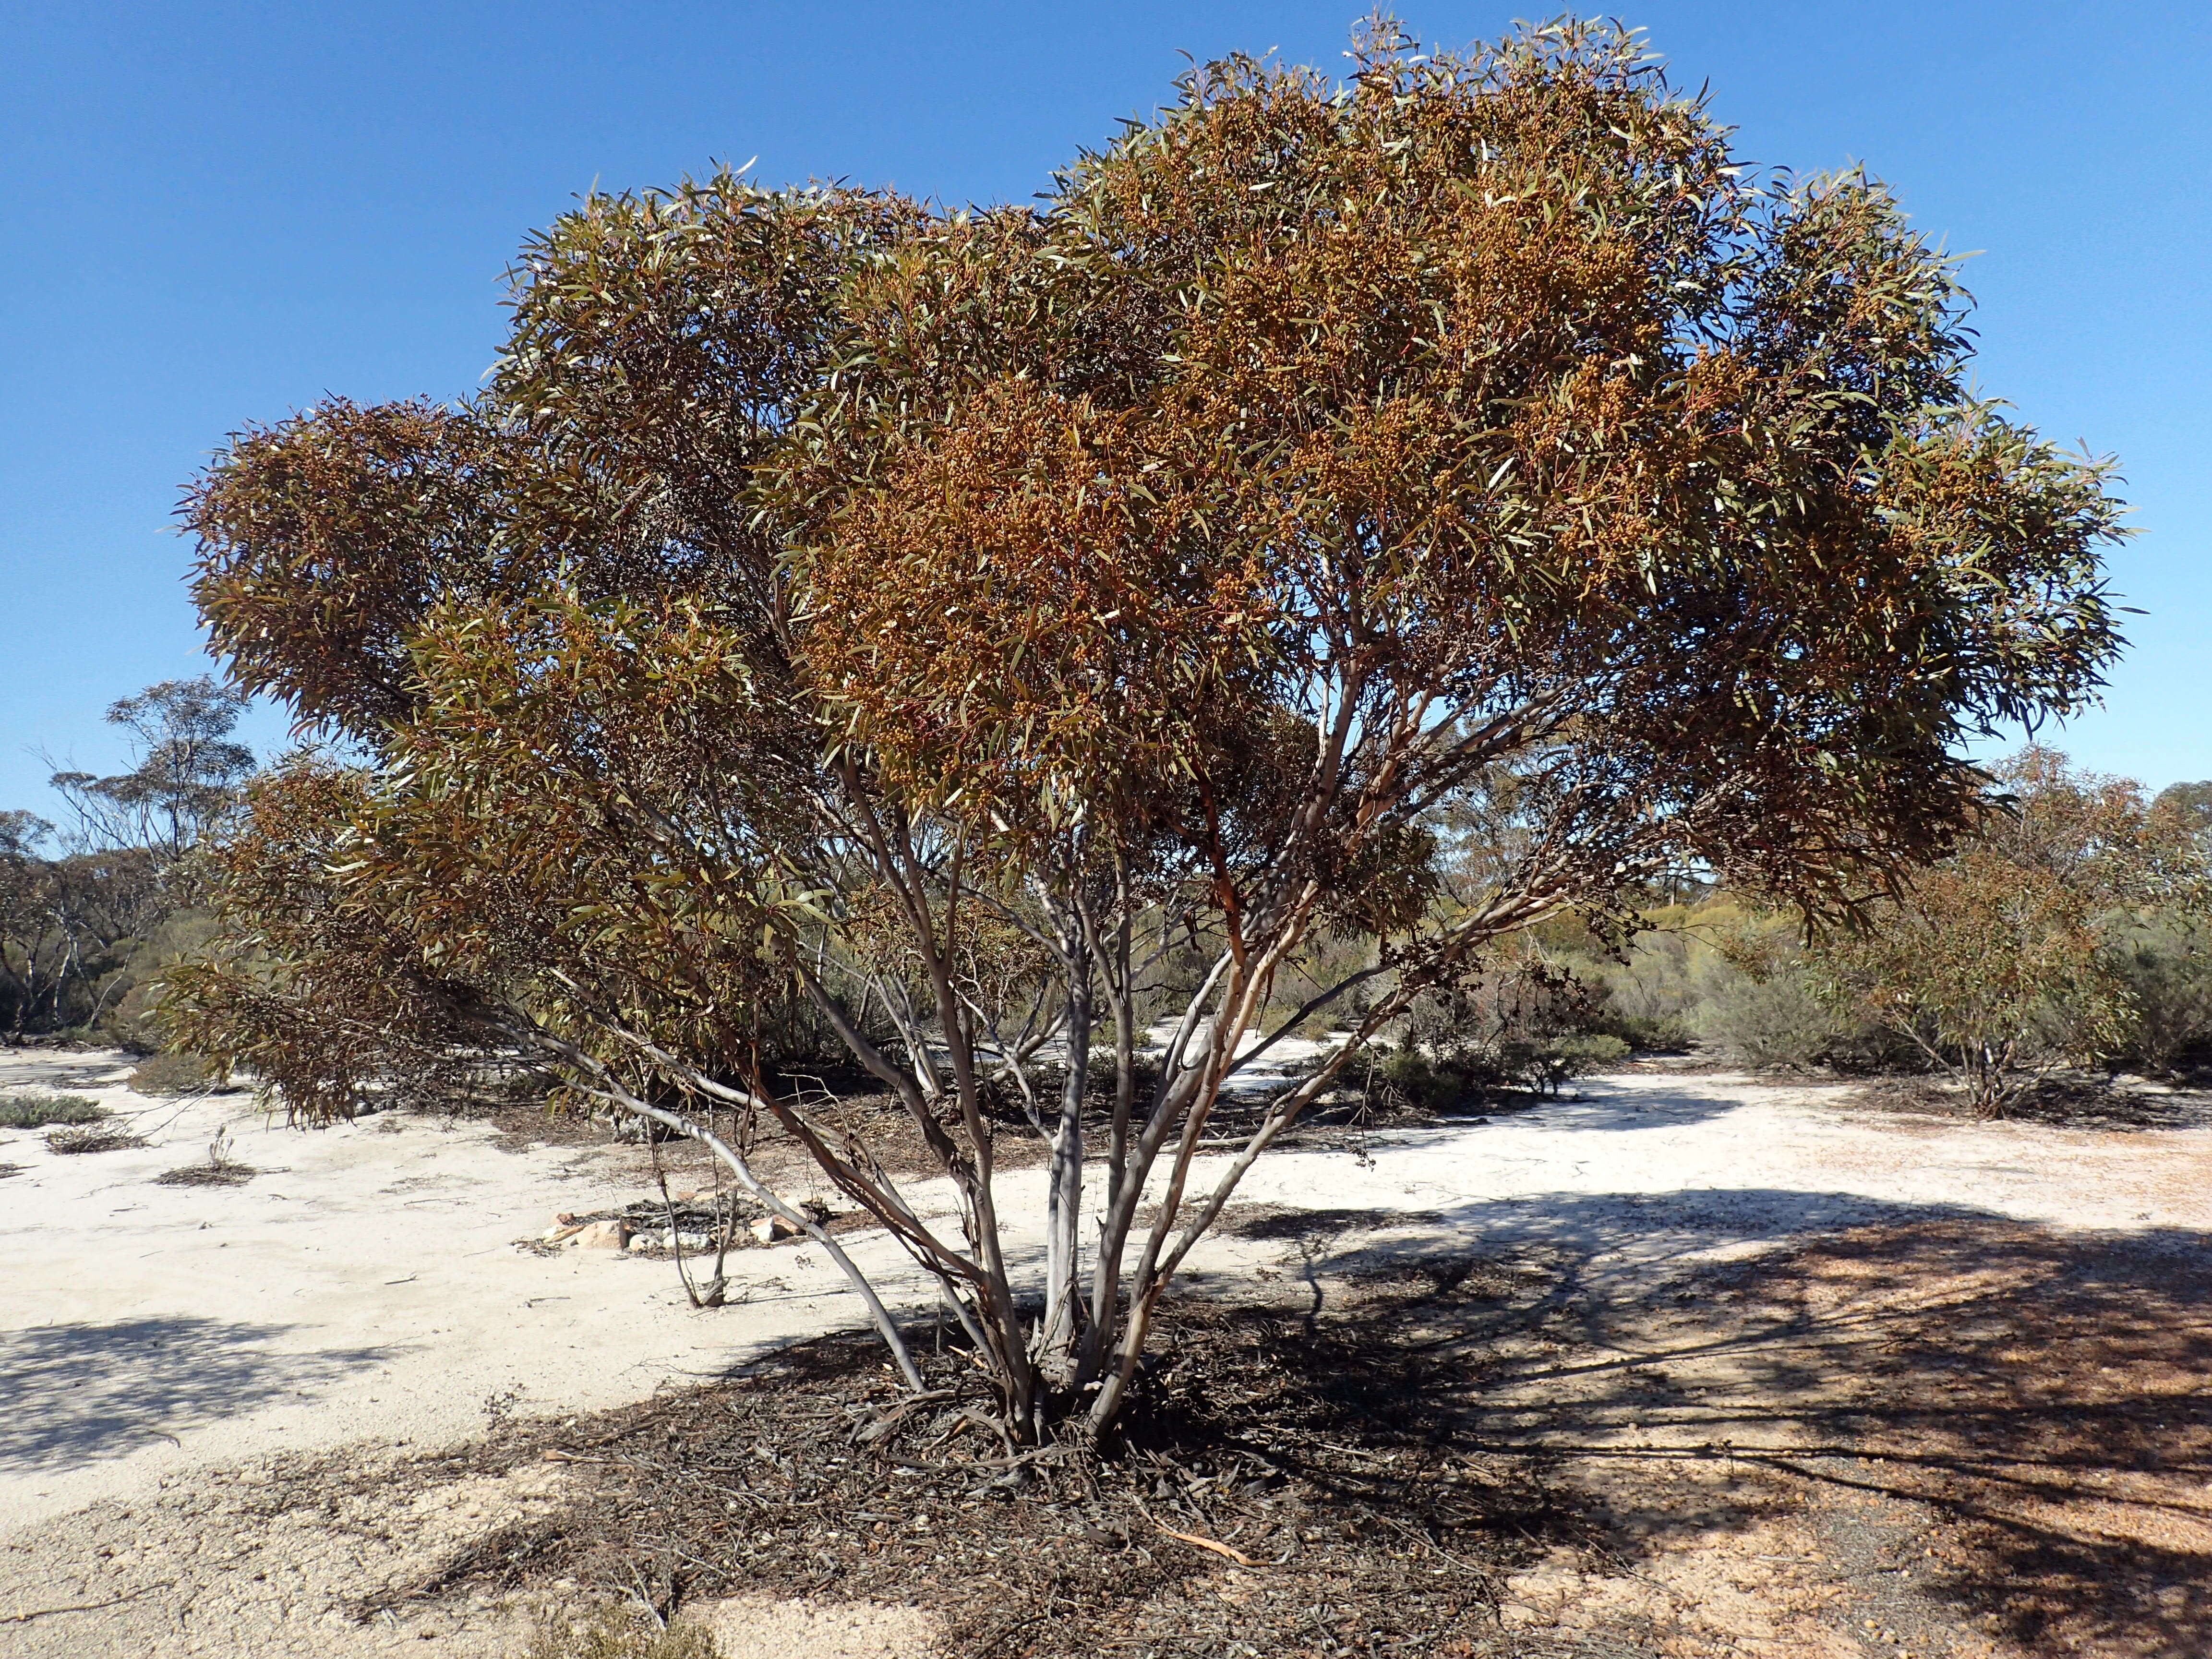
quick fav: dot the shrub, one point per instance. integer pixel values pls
(615, 1634)
(1524, 1025)
(38, 1110)
(2005, 962)
(2166, 966)
(175, 1074)
(93, 1138)
(1651, 1000)
(1778, 1020)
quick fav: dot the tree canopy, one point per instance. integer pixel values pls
(1396, 512)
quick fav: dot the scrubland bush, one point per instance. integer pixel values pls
(618, 1634)
(128, 1000)
(1776, 1021)
(38, 1109)
(175, 1074)
(2053, 935)
(2166, 964)
(1526, 1025)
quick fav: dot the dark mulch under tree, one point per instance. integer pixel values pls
(1290, 1486)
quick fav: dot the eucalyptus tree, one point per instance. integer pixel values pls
(185, 772)
(2035, 945)
(928, 619)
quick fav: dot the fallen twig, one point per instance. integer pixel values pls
(1213, 1544)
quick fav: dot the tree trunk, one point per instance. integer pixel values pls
(1056, 1336)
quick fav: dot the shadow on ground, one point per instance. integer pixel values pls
(2070, 1100)
(1986, 1428)
(1787, 1423)
(75, 1394)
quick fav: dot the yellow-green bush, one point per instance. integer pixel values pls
(617, 1633)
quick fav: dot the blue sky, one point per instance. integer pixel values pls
(215, 213)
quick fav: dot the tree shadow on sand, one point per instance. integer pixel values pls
(1932, 1421)
(75, 1394)
(2003, 1426)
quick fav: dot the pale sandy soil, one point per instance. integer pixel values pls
(1757, 1267)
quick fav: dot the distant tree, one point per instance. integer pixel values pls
(937, 621)
(2008, 957)
(186, 774)
(72, 926)
(20, 833)
(66, 924)
(25, 918)
(2189, 802)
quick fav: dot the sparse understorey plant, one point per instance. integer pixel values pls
(1398, 512)
(35, 1109)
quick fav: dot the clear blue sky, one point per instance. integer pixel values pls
(217, 212)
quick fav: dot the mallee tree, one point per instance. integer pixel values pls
(1399, 512)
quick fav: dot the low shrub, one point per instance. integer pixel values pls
(1778, 1021)
(175, 1074)
(93, 1138)
(37, 1109)
(618, 1634)
(220, 1170)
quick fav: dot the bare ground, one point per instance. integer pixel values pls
(1691, 1367)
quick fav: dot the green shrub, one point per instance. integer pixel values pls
(1521, 1025)
(2166, 964)
(1580, 1053)
(130, 997)
(1778, 1020)
(175, 1074)
(617, 1634)
(37, 1109)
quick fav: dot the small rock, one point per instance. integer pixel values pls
(601, 1236)
(770, 1228)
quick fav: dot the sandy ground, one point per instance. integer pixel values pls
(164, 1350)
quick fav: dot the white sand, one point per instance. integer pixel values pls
(366, 1288)
(365, 1284)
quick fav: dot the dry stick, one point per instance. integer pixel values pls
(898, 862)
(1215, 1545)
(615, 1093)
(875, 1191)
(882, 1199)
(675, 1235)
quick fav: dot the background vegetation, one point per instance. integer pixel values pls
(2073, 931)
(89, 910)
